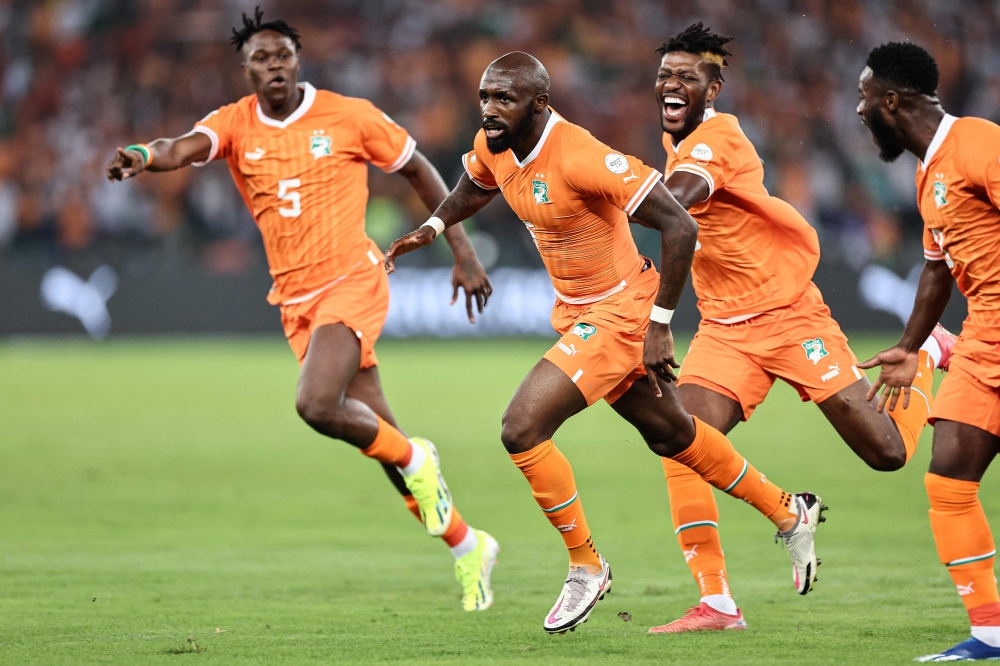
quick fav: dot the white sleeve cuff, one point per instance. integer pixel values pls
(210, 133)
(643, 191)
(404, 157)
(700, 171)
(479, 183)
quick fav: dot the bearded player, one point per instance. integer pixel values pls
(762, 316)
(299, 158)
(958, 194)
(612, 310)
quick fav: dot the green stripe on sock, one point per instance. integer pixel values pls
(563, 505)
(746, 466)
(969, 560)
(700, 523)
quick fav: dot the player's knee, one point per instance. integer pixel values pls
(322, 413)
(518, 434)
(671, 441)
(888, 459)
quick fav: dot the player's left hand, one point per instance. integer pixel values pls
(658, 356)
(408, 243)
(470, 275)
(899, 368)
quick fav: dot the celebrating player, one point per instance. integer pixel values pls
(298, 156)
(958, 193)
(762, 317)
(613, 311)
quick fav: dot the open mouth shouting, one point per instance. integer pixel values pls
(493, 131)
(674, 107)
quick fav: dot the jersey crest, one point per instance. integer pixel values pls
(815, 350)
(540, 190)
(320, 145)
(584, 331)
(940, 189)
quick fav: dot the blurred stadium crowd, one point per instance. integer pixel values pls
(81, 77)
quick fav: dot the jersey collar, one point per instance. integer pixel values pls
(553, 119)
(939, 136)
(709, 113)
(308, 97)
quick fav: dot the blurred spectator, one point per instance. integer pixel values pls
(81, 77)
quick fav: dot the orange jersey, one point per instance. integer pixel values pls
(305, 180)
(755, 252)
(575, 195)
(958, 193)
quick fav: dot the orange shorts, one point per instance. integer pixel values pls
(970, 392)
(360, 301)
(799, 343)
(601, 344)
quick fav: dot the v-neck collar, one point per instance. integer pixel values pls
(553, 119)
(308, 97)
(939, 136)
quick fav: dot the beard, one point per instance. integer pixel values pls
(505, 141)
(696, 113)
(888, 146)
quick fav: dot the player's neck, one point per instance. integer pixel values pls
(523, 147)
(675, 139)
(284, 110)
(920, 126)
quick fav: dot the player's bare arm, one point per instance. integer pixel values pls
(465, 200)
(163, 155)
(467, 274)
(899, 363)
(678, 234)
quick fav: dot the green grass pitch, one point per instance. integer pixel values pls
(152, 492)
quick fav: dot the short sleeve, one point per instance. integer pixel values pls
(385, 144)
(981, 151)
(706, 152)
(932, 251)
(592, 168)
(475, 165)
(218, 127)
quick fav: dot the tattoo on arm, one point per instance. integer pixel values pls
(465, 200)
(678, 235)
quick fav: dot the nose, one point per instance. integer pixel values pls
(861, 106)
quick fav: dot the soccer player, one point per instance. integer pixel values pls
(299, 158)
(612, 310)
(958, 193)
(762, 316)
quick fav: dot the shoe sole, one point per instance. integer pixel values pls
(739, 625)
(492, 550)
(812, 568)
(586, 614)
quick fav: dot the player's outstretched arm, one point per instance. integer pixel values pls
(465, 200)
(678, 235)
(899, 364)
(467, 274)
(160, 155)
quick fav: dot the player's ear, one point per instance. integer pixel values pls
(891, 101)
(541, 101)
(714, 90)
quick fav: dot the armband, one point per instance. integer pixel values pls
(147, 153)
(661, 315)
(435, 223)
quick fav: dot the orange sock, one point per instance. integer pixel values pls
(713, 457)
(911, 421)
(390, 446)
(551, 479)
(696, 524)
(965, 545)
(457, 528)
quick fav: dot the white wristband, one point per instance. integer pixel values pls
(435, 223)
(661, 315)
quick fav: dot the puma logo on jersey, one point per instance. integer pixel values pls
(632, 177)
(965, 590)
(691, 554)
(834, 371)
(571, 349)
(255, 155)
(567, 528)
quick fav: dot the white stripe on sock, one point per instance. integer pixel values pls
(988, 635)
(721, 603)
(417, 458)
(466, 545)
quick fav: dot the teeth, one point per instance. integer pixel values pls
(673, 100)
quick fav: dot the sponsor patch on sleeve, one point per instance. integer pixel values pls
(616, 163)
(701, 152)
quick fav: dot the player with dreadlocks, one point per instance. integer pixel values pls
(762, 317)
(958, 194)
(299, 158)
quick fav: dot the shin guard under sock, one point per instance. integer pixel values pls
(551, 479)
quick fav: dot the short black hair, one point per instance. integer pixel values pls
(906, 65)
(698, 39)
(252, 26)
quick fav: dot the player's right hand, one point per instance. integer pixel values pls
(408, 243)
(126, 164)
(898, 370)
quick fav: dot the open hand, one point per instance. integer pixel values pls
(658, 356)
(470, 275)
(899, 368)
(408, 243)
(126, 164)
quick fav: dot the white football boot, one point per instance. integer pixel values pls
(580, 593)
(800, 540)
